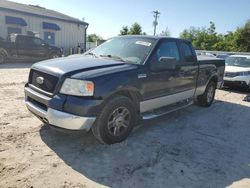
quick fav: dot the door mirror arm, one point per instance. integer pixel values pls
(164, 63)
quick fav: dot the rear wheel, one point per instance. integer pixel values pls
(116, 121)
(208, 97)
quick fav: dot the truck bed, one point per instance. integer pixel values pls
(207, 60)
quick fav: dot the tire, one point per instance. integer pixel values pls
(54, 55)
(2, 58)
(115, 121)
(208, 97)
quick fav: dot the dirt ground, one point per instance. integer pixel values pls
(194, 147)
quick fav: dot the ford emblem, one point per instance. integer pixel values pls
(39, 80)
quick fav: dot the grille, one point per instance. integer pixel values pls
(49, 81)
(232, 74)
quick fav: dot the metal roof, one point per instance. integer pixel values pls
(34, 10)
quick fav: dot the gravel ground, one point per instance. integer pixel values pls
(193, 147)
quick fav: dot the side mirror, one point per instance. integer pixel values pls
(164, 63)
(167, 59)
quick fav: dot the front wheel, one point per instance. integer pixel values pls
(116, 121)
(208, 97)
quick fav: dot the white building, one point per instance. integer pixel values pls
(55, 28)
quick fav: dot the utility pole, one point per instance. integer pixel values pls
(156, 16)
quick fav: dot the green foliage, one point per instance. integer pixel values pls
(242, 38)
(207, 38)
(124, 30)
(93, 38)
(135, 29)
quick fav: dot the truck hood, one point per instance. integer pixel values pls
(74, 65)
(236, 69)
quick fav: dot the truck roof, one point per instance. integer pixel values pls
(152, 37)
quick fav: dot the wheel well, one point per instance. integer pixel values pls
(134, 96)
(214, 79)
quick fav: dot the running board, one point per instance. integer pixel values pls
(166, 110)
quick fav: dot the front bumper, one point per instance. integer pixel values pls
(241, 81)
(245, 79)
(235, 84)
(37, 104)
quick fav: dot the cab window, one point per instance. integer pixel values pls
(168, 49)
(37, 42)
(187, 52)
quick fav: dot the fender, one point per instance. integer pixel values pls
(201, 90)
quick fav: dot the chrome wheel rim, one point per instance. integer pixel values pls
(210, 94)
(118, 121)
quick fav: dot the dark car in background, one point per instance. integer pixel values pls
(24, 47)
(222, 56)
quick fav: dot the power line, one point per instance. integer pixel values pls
(156, 16)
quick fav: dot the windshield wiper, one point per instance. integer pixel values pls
(113, 57)
(91, 53)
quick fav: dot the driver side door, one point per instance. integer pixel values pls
(164, 87)
(162, 82)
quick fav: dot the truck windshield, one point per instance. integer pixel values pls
(127, 49)
(238, 61)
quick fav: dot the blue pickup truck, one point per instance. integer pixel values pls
(113, 87)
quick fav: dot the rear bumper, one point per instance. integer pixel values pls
(38, 105)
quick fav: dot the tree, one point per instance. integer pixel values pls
(208, 39)
(93, 38)
(190, 34)
(124, 30)
(135, 29)
(226, 42)
(242, 38)
(165, 33)
(202, 38)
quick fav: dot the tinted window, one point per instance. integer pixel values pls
(25, 40)
(168, 49)
(187, 52)
(37, 41)
(29, 41)
(14, 30)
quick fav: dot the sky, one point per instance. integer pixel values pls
(106, 17)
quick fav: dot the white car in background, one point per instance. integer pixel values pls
(237, 71)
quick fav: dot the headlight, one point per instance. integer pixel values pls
(77, 87)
